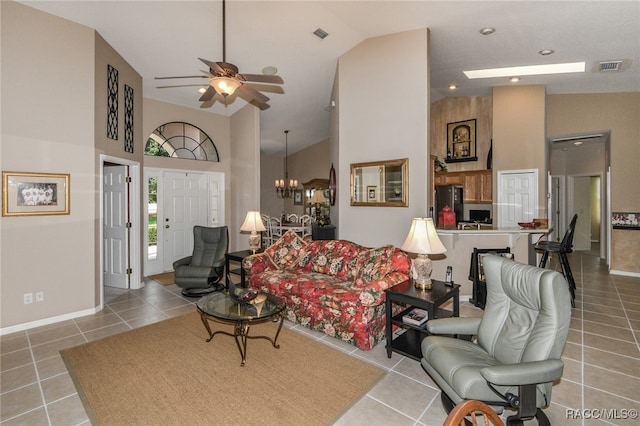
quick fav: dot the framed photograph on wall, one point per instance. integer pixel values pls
(297, 197)
(32, 194)
(372, 193)
(461, 141)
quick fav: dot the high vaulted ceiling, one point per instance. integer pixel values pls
(165, 38)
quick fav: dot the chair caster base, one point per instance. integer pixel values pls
(199, 292)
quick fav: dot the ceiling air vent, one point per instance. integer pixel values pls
(606, 66)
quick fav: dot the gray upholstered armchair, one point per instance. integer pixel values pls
(520, 339)
(199, 273)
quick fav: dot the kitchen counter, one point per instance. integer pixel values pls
(461, 242)
(490, 229)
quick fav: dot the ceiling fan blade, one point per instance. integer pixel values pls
(208, 95)
(213, 66)
(261, 78)
(171, 86)
(253, 93)
(180, 76)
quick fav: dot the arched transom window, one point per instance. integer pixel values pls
(181, 140)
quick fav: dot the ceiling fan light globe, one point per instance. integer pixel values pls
(224, 85)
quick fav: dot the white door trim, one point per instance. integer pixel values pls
(134, 206)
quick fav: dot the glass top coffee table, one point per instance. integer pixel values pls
(223, 308)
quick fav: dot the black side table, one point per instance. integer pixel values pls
(237, 256)
(408, 343)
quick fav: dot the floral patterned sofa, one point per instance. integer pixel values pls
(334, 286)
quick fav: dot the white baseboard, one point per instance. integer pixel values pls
(625, 273)
(46, 321)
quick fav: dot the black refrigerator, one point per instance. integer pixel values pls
(449, 195)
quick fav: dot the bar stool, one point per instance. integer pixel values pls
(561, 248)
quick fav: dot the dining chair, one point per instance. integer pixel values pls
(293, 218)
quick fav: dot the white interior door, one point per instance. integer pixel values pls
(115, 226)
(517, 197)
(185, 204)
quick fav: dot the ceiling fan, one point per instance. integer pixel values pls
(224, 78)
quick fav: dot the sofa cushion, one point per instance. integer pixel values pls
(374, 264)
(285, 252)
(332, 257)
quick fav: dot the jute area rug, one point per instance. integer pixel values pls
(166, 278)
(167, 374)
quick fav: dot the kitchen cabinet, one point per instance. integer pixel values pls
(478, 184)
(452, 178)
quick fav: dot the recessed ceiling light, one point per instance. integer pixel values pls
(452, 87)
(514, 79)
(487, 31)
(545, 52)
(527, 70)
(202, 90)
(270, 70)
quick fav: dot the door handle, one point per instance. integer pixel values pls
(167, 226)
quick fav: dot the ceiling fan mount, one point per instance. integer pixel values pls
(225, 78)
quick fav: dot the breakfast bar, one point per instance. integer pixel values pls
(461, 242)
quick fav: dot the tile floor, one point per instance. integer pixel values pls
(602, 359)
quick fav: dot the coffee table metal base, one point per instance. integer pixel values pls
(241, 331)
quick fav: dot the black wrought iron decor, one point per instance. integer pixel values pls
(112, 103)
(128, 118)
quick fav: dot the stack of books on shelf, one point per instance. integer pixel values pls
(416, 317)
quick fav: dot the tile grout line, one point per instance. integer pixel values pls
(35, 367)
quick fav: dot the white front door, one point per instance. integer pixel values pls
(115, 226)
(517, 197)
(185, 205)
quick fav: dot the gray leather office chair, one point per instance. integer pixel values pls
(520, 339)
(201, 272)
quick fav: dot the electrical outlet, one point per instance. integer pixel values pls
(40, 296)
(28, 298)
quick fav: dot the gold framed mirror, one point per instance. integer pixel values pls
(380, 183)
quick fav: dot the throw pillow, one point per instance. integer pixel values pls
(375, 263)
(285, 252)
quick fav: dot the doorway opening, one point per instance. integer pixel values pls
(120, 261)
(579, 172)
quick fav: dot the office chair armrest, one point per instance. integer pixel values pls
(182, 262)
(525, 373)
(455, 325)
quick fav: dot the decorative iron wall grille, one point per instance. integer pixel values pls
(112, 103)
(128, 118)
(181, 140)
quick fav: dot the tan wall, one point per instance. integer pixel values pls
(519, 135)
(619, 113)
(271, 168)
(48, 108)
(452, 109)
(384, 125)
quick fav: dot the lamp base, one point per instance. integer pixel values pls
(254, 241)
(422, 266)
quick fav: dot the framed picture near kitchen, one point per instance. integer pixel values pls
(461, 141)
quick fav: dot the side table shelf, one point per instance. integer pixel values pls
(408, 342)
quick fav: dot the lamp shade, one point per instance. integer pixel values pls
(253, 222)
(224, 85)
(423, 238)
(318, 197)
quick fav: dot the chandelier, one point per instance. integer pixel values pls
(285, 187)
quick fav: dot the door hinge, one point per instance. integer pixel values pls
(128, 225)
(128, 179)
(129, 271)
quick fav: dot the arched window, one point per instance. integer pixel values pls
(181, 140)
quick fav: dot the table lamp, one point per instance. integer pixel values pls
(253, 223)
(423, 240)
(318, 198)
